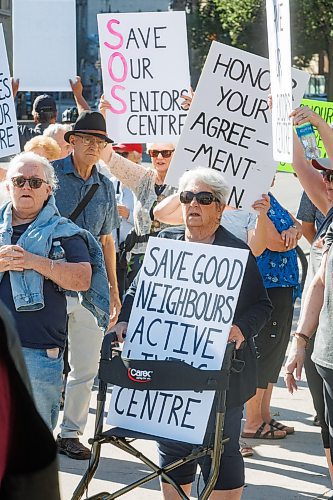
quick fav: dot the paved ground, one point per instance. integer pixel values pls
(289, 469)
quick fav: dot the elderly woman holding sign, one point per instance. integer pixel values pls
(203, 194)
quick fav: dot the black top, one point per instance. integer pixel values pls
(45, 328)
(252, 313)
(26, 133)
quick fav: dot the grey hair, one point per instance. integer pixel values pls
(53, 129)
(214, 180)
(149, 144)
(29, 157)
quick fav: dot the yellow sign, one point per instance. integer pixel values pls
(325, 110)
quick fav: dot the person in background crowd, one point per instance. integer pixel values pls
(311, 218)
(44, 110)
(147, 184)
(318, 184)
(29, 279)
(203, 194)
(77, 174)
(70, 115)
(43, 146)
(133, 152)
(57, 131)
(28, 453)
(279, 269)
(125, 204)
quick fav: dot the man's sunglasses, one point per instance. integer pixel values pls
(203, 198)
(327, 175)
(166, 153)
(34, 182)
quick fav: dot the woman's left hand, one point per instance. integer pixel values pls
(235, 335)
(290, 237)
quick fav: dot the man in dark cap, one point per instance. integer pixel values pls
(77, 174)
(44, 113)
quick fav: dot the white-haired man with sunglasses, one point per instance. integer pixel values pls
(32, 283)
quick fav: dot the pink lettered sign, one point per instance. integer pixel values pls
(144, 59)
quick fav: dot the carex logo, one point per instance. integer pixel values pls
(139, 375)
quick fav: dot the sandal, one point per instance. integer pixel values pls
(281, 427)
(259, 434)
(246, 450)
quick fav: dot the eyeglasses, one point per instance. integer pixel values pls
(327, 175)
(166, 153)
(87, 141)
(203, 198)
(34, 182)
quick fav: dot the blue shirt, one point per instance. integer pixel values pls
(279, 269)
(100, 216)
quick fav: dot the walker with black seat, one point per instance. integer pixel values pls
(115, 370)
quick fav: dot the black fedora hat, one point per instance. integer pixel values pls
(89, 123)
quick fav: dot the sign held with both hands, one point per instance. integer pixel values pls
(183, 310)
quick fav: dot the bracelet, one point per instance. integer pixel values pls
(306, 339)
(51, 266)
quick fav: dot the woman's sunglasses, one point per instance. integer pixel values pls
(34, 182)
(327, 175)
(203, 198)
(166, 153)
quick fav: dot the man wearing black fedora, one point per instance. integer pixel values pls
(87, 197)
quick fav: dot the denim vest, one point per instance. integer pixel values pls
(27, 286)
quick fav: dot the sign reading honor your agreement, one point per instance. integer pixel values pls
(145, 69)
(278, 28)
(183, 310)
(228, 127)
(9, 140)
(44, 44)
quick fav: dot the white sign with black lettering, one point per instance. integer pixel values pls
(228, 127)
(183, 310)
(145, 68)
(9, 140)
(278, 29)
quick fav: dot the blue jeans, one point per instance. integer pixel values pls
(46, 380)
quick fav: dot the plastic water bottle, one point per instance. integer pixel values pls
(307, 137)
(57, 252)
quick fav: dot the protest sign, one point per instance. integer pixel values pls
(183, 310)
(325, 110)
(144, 60)
(228, 127)
(9, 140)
(278, 29)
(44, 44)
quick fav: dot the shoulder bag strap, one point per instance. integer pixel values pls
(84, 202)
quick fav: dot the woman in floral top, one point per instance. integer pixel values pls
(147, 183)
(279, 270)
